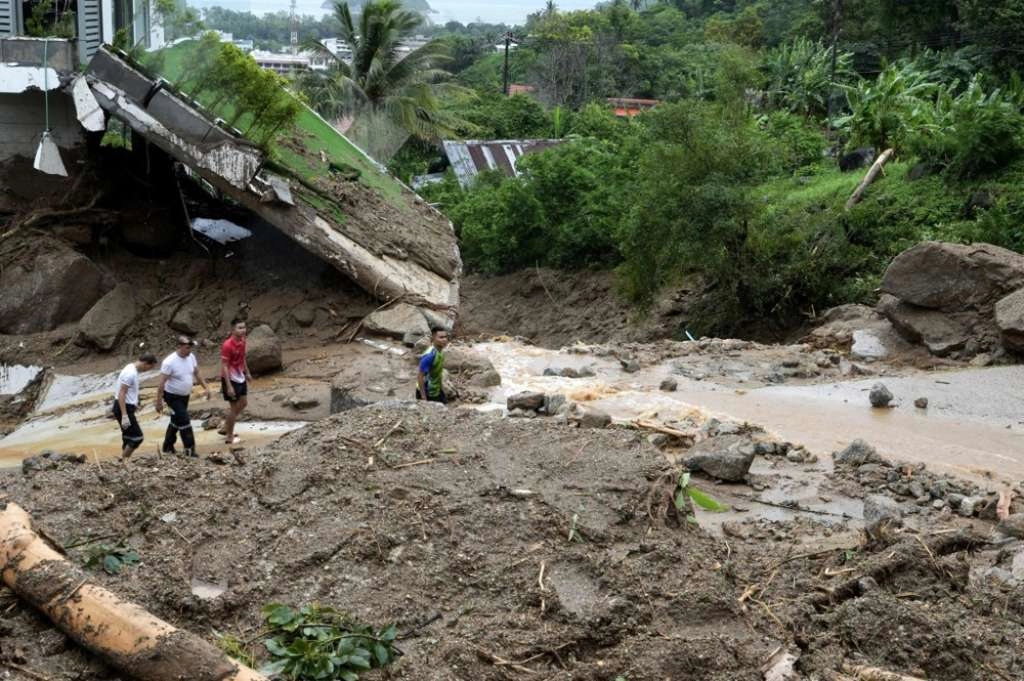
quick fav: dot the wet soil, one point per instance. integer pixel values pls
(477, 530)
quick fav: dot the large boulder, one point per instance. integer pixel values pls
(1010, 320)
(941, 332)
(397, 321)
(103, 324)
(726, 457)
(185, 320)
(55, 287)
(263, 350)
(954, 277)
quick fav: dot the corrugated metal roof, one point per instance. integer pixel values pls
(470, 157)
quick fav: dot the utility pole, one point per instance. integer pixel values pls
(508, 41)
(295, 29)
(837, 19)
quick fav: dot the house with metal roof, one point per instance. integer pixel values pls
(469, 158)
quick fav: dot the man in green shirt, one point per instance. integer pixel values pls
(428, 384)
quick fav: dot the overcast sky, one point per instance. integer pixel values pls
(493, 11)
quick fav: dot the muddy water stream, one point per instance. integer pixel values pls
(973, 427)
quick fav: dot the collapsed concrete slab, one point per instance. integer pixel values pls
(370, 227)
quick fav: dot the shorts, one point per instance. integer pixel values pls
(241, 390)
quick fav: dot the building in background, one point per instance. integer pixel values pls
(469, 158)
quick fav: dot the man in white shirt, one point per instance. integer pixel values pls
(178, 372)
(126, 402)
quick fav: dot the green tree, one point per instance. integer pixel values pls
(383, 89)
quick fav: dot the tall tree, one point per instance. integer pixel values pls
(384, 91)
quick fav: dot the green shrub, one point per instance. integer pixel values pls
(801, 142)
(800, 76)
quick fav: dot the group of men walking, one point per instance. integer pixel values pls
(179, 372)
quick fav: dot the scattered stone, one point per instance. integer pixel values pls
(726, 457)
(659, 440)
(551, 371)
(853, 369)
(105, 321)
(586, 372)
(302, 403)
(669, 385)
(414, 339)
(185, 320)
(528, 400)
(263, 350)
(342, 398)
(488, 378)
(921, 403)
(49, 460)
(169, 517)
(591, 417)
(879, 508)
(630, 366)
(1012, 525)
(967, 506)
(939, 504)
(728, 428)
(916, 489)
(554, 403)
(982, 359)
(880, 396)
(304, 315)
(867, 345)
(857, 453)
(517, 413)
(396, 321)
(211, 423)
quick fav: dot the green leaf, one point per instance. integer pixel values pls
(275, 647)
(680, 500)
(706, 501)
(382, 654)
(389, 634)
(348, 676)
(273, 668)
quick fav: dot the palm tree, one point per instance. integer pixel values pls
(382, 83)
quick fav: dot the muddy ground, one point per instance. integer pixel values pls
(334, 514)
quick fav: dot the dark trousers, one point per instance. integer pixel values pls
(181, 423)
(440, 397)
(132, 436)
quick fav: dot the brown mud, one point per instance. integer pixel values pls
(535, 543)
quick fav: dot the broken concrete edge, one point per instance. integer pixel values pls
(234, 168)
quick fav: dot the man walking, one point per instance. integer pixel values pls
(429, 382)
(126, 402)
(178, 372)
(234, 378)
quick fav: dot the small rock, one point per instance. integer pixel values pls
(488, 378)
(726, 457)
(939, 504)
(921, 403)
(1012, 525)
(857, 453)
(659, 440)
(867, 584)
(169, 517)
(630, 366)
(516, 413)
(553, 403)
(880, 396)
(211, 423)
(586, 372)
(569, 372)
(967, 506)
(981, 360)
(728, 428)
(955, 499)
(304, 314)
(302, 403)
(594, 418)
(528, 400)
(263, 350)
(551, 371)
(916, 489)
(669, 385)
(879, 508)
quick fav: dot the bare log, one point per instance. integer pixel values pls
(873, 172)
(127, 636)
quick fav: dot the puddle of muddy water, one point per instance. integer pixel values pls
(14, 377)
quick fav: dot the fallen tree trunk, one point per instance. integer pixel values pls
(876, 168)
(130, 638)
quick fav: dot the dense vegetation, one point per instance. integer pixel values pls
(733, 177)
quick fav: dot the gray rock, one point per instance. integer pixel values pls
(955, 499)
(569, 372)
(591, 417)
(517, 413)
(726, 457)
(465, 360)
(659, 440)
(552, 371)
(185, 320)
(528, 400)
(438, 320)
(880, 396)
(728, 428)
(967, 506)
(630, 366)
(553, 403)
(55, 287)
(488, 378)
(669, 385)
(342, 397)
(396, 321)
(879, 508)
(304, 315)
(301, 403)
(953, 277)
(263, 350)
(916, 489)
(868, 345)
(414, 339)
(941, 332)
(857, 453)
(586, 372)
(867, 584)
(921, 403)
(939, 504)
(1012, 525)
(1010, 320)
(103, 324)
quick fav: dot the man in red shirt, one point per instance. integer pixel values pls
(234, 377)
